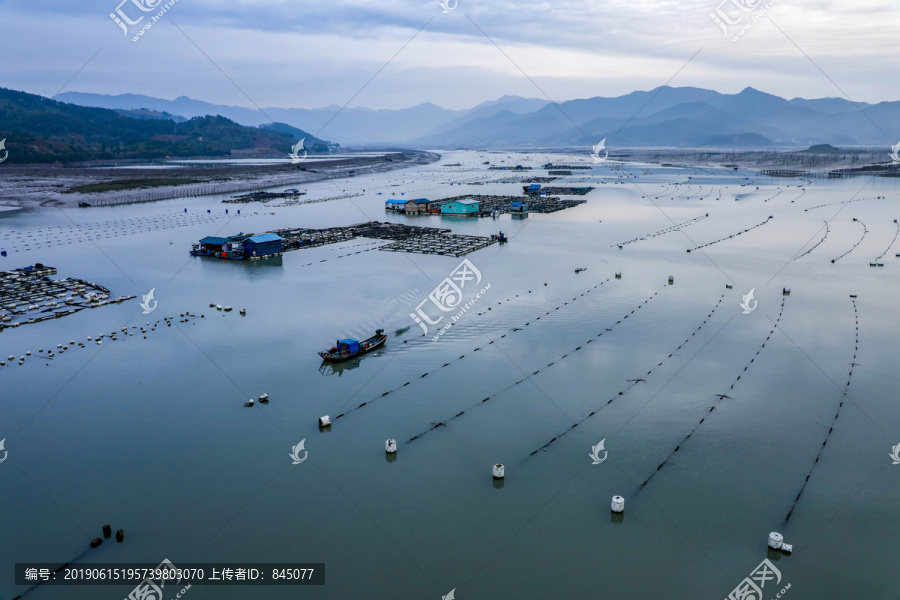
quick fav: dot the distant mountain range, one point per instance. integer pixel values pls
(665, 116)
(37, 129)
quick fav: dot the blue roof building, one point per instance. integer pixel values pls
(263, 245)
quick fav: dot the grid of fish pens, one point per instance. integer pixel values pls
(440, 243)
(29, 296)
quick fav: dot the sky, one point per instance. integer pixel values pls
(400, 53)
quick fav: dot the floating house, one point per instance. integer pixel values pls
(419, 205)
(241, 246)
(395, 204)
(266, 244)
(533, 190)
(460, 207)
(518, 206)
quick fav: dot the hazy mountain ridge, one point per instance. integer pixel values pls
(669, 116)
(38, 129)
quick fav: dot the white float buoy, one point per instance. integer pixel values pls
(787, 548)
(618, 275)
(390, 446)
(499, 471)
(218, 307)
(264, 397)
(249, 403)
(243, 311)
(618, 504)
(227, 309)
(786, 291)
(776, 540)
(324, 421)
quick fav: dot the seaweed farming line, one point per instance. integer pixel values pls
(447, 364)
(836, 415)
(775, 196)
(670, 229)
(842, 202)
(865, 231)
(888, 249)
(733, 235)
(634, 382)
(720, 398)
(819, 243)
(528, 377)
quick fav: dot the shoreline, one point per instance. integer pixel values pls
(49, 186)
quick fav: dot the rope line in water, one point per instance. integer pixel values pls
(677, 227)
(716, 403)
(833, 421)
(888, 249)
(635, 381)
(733, 235)
(447, 364)
(836, 203)
(827, 231)
(865, 231)
(527, 377)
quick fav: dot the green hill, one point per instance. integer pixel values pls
(39, 130)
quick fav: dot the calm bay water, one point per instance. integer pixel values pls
(151, 435)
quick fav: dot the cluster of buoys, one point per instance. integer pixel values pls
(447, 364)
(677, 227)
(634, 382)
(720, 396)
(509, 387)
(819, 243)
(115, 335)
(852, 248)
(733, 235)
(836, 414)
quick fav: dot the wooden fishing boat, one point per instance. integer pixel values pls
(349, 348)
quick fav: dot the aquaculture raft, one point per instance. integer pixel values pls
(29, 296)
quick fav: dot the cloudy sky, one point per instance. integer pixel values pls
(398, 53)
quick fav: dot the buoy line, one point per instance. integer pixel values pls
(733, 235)
(669, 229)
(447, 364)
(716, 403)
(842, 202)
(888, 249)
(865, 231)
(775, 196)
(634, 382)
(527, 377)
(827, 231)
(834, 420)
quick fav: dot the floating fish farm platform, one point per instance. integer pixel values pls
(503, 204)
(29, 296)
